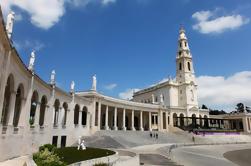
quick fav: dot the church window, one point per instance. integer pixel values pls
(156, 99)
(179, 52)
(189, 66)
(180, 66)
(185, 44)
(180, 44)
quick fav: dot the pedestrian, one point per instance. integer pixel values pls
(193, 138)
(151, 135)
(157, 135)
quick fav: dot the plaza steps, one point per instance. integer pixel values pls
(129, 139)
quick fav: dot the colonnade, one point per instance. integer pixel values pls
(110, 117)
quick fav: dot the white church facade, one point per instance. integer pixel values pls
(34, 112)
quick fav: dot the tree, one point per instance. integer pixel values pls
(216, 112)
(47, 158)
(204, 106)
(248, 109)
(240, 107)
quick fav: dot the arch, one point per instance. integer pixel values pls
(175, 120)
(84, 115)
(65, 106)
(18, 104)
(200, 121)
(33, 107)
(136, 122)
(76, 114)
(42, 110)
(206, 124)
(182, 120)
(9, 88)
(127, 122)
(194, 120)
(56, 112)
(189, 66)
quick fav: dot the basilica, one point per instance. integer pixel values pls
(34, 112)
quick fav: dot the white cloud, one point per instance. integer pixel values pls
(111, 86)
(127, 95)
(46, 13)
(208, 22)
(106, 2)
(29, 44)
(225, 92)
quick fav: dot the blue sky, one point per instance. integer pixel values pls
(131, 44)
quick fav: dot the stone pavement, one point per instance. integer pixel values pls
(206, 155)
(240, 157)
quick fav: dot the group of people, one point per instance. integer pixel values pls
(154, 135)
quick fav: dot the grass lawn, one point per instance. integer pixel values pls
(72, 155)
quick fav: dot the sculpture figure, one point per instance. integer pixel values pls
(94, 83)
(153, 99)
(81, 144)
(32, 61)
(53, 75)
(72, 86)
(10, 23)
(161, 98)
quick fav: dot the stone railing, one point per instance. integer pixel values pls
(107, 159)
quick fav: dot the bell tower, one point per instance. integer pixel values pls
(185, 75)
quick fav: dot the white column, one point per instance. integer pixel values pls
(106, 118)
(160, 120)
(62, 116)
(37, 114)
(99, 115)
(11, 109)
(79, 118)
(166, 121)
(22, 118)
(141, 121)
(171, 119)
(124, 119)
(132, 127)
(150, 121)
(115, 127)
(53, 115)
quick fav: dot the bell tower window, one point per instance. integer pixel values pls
(180, 66)
(189, 66)
(180, 44)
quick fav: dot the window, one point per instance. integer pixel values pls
(189, 66)
(180, 52)
(55, 140)
(63, 141)
(180, 44)
(156, 99)
(180, 66)
(185, 44)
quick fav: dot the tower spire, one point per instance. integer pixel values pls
(183, 48)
